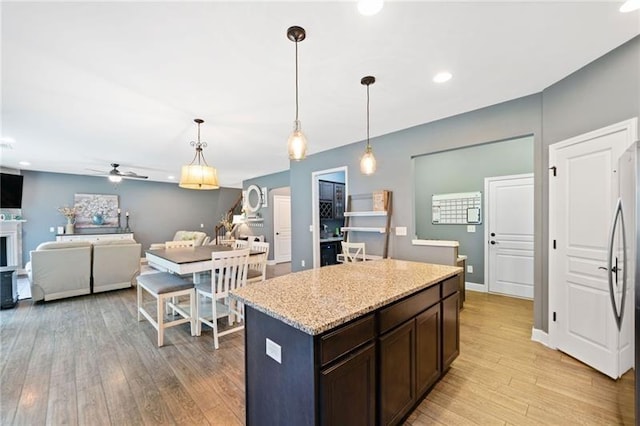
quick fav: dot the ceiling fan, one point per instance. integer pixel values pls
(116, 175)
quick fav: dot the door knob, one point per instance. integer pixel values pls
(493, 242)
(493, 234)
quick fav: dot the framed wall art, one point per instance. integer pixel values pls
(96, 210)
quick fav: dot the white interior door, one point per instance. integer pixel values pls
(282, 228)
(582, 198)
(509, 229)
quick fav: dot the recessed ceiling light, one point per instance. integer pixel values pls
(630, 6)
(24, 163)
(370, 7)
(442, 77)
(171, 177)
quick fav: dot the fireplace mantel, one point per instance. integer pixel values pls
(12, 231)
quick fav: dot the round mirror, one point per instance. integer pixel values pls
(254, 199)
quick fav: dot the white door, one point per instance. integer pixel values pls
(282, 228)
(509, 235)
(582, 197)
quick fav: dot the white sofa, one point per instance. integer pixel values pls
(60, 269)
(116, 264)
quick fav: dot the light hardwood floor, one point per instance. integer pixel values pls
(86, 360)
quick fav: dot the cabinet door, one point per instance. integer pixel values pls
(428, 361)
(348, 390)
(450, 330)
(338, 200)
(326, 191)
(397, 373)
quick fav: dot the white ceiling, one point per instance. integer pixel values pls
(85, 84)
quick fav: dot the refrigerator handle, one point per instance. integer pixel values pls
(613, 269)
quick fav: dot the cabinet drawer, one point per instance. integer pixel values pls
(408, 308)
(341, 341)
(450, 286)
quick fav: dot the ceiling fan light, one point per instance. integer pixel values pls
(368, 162)
(114, 178)
(297, 143)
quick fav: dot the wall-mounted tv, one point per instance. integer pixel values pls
(10, 191)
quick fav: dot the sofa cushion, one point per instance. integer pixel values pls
(55, 245)
(114, 242)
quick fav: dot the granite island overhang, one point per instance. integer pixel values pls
(365, 327)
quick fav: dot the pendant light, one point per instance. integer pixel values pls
(198, 174)
(297, 143)
(368, 161)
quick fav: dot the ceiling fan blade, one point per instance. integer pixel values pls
(133, 175)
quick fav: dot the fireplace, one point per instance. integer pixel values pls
(11, 243)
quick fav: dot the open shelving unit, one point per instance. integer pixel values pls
(385, 230)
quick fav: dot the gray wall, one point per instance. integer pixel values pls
(464, 170)
(276, 184)
(604, 92)
(394, 153)
(157, 210)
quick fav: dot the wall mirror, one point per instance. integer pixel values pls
(254, 199)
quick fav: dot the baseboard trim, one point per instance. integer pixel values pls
(540, 336)
(475, 287)
(271, 262)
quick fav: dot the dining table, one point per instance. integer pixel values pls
(187, 260)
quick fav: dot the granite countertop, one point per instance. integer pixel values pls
(317, 300)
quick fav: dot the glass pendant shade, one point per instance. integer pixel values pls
(368, 162)
(198, 176)
(297, 143)
(115, 179)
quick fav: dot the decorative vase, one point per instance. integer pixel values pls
(227, 235)
(68, 229)
(97, 219)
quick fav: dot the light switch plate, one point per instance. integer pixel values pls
(401, 230)
(470, 269)
(471, 228)
(274, 351)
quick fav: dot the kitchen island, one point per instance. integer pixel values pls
(358, 343)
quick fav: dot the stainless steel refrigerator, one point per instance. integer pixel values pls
(624, 254)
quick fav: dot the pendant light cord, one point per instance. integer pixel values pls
(296, 81)
(368, 146)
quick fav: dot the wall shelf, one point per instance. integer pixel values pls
(364, 229)
(379, 199)
(365, 213)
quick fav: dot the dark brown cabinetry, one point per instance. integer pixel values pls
(338, 200)
(371, 371)
(331, 198)
(397, 373)
(348, 390)
(409, 354)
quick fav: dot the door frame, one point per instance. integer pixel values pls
(315, 212)
(487, 181)
(630, 126)
(275, 260)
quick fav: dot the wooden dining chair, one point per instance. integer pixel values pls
(240, 244)
(229, 271)
(353, 252)
(258, 262)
